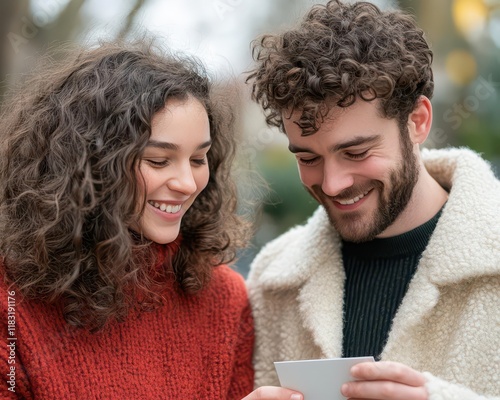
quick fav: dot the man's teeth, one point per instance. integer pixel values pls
(166, 208)
(354, 200)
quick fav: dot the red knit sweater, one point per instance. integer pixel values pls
(197, 347)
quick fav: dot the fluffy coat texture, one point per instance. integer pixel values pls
(195, 347)
(448, 324)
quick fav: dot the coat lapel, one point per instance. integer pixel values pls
(321, 305)
(313, 268)
(321, 296)
(452, 255)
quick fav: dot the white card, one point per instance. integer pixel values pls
(318, 379)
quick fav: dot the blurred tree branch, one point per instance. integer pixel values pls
(10, 12)
(131, 17)
(66, 25)
(23, 34)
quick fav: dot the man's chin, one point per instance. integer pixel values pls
(354, 228)
(354, 235)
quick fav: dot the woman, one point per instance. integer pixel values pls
(117, 211)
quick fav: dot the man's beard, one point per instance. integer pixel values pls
(357, 226)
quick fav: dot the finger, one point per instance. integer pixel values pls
(382, 390)
(389, 371)
(273, 393)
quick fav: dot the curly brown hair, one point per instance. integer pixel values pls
(341, 52)
(71, 141)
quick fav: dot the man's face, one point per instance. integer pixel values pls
(358, 167)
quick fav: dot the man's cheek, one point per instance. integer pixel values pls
(308, 177)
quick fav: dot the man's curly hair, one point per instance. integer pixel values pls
(71, 142)
(339, 53)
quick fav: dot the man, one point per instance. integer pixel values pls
(402, 258)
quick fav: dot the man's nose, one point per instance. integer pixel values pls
(335, 179)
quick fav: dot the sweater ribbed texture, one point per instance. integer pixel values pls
(378, 273)
(193, 347)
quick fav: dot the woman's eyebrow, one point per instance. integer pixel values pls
(173, 146)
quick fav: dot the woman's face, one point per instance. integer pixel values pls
(174, 167)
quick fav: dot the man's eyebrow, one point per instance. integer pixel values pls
(296, 149)
(172, 146)
(356, 141)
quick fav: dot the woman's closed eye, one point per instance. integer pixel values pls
(199, 161)
(157, 163)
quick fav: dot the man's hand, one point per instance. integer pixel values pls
(385, 380)
(273, 393)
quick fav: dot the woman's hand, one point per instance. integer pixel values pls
(385, 380)
(274, 393)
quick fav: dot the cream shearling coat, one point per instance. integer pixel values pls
(448, 324)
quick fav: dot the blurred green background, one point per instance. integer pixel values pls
(464, 35)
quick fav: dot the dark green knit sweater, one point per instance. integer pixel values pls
(378, 273)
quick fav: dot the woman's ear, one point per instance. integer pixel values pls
(420, 121)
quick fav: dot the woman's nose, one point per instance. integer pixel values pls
(183, 181)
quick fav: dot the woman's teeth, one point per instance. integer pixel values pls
(166, 208)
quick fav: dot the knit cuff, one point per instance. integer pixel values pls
(439, 389)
